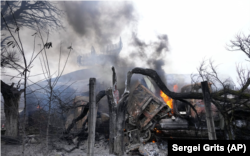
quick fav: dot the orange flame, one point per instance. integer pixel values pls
(167, 100)
(175, 88)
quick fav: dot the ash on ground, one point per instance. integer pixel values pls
(154, 149)
(36, 146)
(39, 148)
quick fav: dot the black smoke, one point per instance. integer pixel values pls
(156, 59)
(99, 22)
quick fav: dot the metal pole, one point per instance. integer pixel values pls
(92, 117)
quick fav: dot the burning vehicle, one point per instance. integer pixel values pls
(154, 117)
(151, 116)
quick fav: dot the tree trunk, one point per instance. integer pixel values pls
(11, 116)
(49, 116)
(228, 128)
(11, 96)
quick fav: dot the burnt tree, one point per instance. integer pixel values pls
(47, 13)
(11, 96)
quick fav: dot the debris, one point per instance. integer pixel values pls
(174, 123)
(154, 149)
(32, 139)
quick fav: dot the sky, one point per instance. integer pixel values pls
(188, 31)
(196, 30)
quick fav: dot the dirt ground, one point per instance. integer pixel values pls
(38, 149)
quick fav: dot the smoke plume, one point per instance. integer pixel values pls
(152, 54)
(99, 22)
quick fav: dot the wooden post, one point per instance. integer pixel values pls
(209, 116)
(113, 98)
(92, 117)
(112, 120)
(120, 122)
(114, 86)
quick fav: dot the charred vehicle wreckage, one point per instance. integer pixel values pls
(145, 114)
(150, 118)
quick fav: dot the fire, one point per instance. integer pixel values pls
(175, 88)
(157, 131)
(167, 100)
